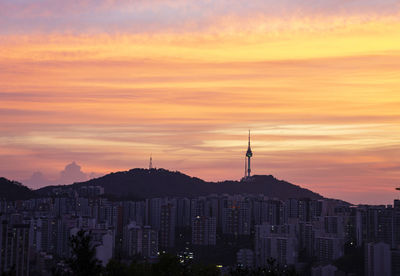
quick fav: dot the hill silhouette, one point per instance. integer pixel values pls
(143, 183)
(13, 190)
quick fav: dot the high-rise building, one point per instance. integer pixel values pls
(133, 211)
(245, 258)
(334, 225)
(212, 207)
(48, 235)
(307, 239)
(153, 212)
(149, 242)
(377, 223)
(292, 205)
(274, 212)
(14, 244)
(198, 207)
(236, 217)
(167, 226)
(141, 240)
(378, 259)
(329, 248)
(183, 212)
(396, 262)
(35, 241)
(304, 209)
(132, 239)
(82, 207)
(62, 230)
(204, 230)
(279, 242)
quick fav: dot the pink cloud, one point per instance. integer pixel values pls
(157, 16)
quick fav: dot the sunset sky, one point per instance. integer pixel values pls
(106, 83)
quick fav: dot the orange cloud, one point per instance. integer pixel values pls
(322, 101)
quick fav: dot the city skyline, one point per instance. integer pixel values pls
(107, 83)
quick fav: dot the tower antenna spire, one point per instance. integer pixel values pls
(249, 154)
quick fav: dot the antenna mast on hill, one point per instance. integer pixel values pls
(151, 162)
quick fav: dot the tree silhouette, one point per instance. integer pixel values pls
(10, 272)
(116, 268)
(83, 260)
(271, 269)
(168, 265)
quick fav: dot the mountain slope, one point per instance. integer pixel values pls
(12, 190)
(142, 183)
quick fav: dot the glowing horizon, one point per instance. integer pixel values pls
(106, 83)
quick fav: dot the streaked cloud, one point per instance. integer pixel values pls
(106, 83)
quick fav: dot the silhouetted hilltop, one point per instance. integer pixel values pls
(268, 185)
(12, 190)
(143, 183)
